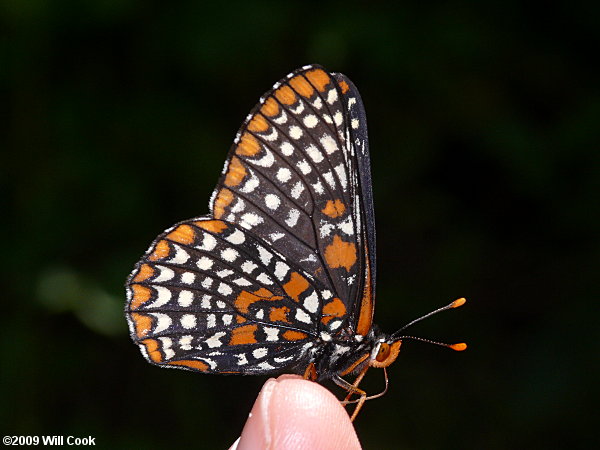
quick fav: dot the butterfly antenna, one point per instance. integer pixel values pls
(458, 347)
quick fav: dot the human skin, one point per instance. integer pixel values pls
(292, 414)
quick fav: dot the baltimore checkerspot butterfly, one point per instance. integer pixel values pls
(280, 276)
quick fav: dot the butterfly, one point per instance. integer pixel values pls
(280, 275)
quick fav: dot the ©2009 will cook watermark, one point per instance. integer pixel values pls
(49, 440)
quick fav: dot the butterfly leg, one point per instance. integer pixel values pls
(355, 384)
(352, 389)
(310, 373)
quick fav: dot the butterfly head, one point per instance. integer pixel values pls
(387, 348)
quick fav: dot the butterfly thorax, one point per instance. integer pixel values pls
(343, 354)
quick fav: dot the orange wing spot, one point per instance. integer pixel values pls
(344, 86)
(340, 254)
(270, 108)
(243, 335)
(248, 145)
(223, 200)
(152, 349)
(296, 286)
(334, 208)
(258, 123)
(290, 335)
(141, 294)
(335, 308)
(192, 364)
(144, 273)
(245, 299)
(279, 314)
(143, 324)
(301, 86)
(365, 318)
(318, 78)
(236, 172)
(216, 226)
(240, 319)
(285, 95)
(161, 250)
(184, 234)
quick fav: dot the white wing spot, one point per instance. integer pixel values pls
(338, 118)
(242, 282)
(209, 242)
(332, 96)
(281, 269)
(185, 298)
(297, 190)
(287, 149)
(205, 301)
(259, 353)
(304, 167)
(314, 154)
(329, 178)
(229, 254)
(166, 347)
(224, 273)
(266, 161)
(188, 321)
(284, 174)
(237, 237)
(211, 321)
(248, 266)
(311, 303)
(328, 144)
(204, 263)
(264, 278)
(215, 339)
(295, 132)
(272, 333)
(272, 201)
(165, 274)
(163, 322)
(163, 297)
(302, 316)
(250, 220)
(185, 342)
(265, 366)
(311, 121)
(264, 255)
(181, 256)
(224, 289)
(339, 169)
(292, 218)
(318, 187)
(188, 277)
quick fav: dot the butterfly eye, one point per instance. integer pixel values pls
(384, 352)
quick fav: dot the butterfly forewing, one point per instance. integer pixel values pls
(285, 254)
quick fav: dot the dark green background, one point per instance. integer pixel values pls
(484, 140)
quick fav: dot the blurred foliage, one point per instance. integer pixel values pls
(484, 140)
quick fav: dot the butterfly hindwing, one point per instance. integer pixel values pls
(208, 296)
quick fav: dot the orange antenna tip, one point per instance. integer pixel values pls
(458, 347)
(459, 302)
